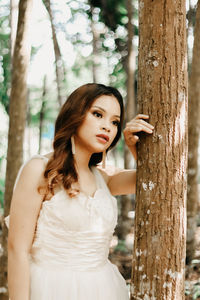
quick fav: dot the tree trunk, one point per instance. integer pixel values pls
(130, 70)
(95, 35)
(42, 113)
(28, 125)
(158, 269)
(60, 71)
(130, 105)
(17, 114)
(125, 223)
(193, 140)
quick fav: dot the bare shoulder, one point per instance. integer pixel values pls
(34, 165)
(26, 204)
(32, 172)
(26, 198)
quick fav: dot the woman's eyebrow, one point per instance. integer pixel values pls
(104, 110)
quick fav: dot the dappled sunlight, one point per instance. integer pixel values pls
(179, 130)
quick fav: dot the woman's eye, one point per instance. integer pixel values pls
(116, 123)
(97, 114)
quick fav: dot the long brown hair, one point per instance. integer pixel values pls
(60, 167)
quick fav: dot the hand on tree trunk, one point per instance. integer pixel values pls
(136, 125)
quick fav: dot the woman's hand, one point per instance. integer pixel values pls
(132, 128)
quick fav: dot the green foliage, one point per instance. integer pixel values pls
(4, 62)
(115, 16)
(35, 106)
(81, 64)
(113, 12)
(121, 247)
(196, 291)
(118, 77)
(2, 185)
(120, 145)
(192, 288)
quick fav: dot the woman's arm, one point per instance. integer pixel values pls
(123, 182)
(25, 207)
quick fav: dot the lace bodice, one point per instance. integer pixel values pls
(75, 232)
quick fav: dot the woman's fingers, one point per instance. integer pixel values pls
(139, 125)
(142, 124)
(131, 139)
(133, 129)
(145, 123)
(134, 126)
(139, 116)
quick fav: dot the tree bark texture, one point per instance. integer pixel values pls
(160, 226)
(60, 70)
(193, 140)
(17, 118)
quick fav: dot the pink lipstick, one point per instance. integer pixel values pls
(103, 137)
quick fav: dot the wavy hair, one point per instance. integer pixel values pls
(60, 167)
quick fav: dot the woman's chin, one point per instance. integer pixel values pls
(98, 150)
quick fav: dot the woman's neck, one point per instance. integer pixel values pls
(82, 158)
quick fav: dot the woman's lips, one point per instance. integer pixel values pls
(102, 138)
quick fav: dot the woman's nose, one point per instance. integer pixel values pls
(106, 128)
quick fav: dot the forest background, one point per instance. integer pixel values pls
(73, 43)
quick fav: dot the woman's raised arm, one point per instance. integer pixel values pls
(123, 182)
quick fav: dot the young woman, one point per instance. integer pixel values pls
(63, 213)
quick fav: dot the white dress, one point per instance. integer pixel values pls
(69, 255)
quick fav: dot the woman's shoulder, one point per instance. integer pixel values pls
(37, 160)
(33, 168)
(45, 157)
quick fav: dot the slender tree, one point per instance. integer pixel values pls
(130, 72)
(130, 103)
(59, 65)
(42, 113)
(193, 140)
(124, 221)
(95, 35)
(158, 270)
(17, 117)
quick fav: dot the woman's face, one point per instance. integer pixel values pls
(100, 125)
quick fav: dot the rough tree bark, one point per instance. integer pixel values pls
(158, 269)
(60, 70)
(17, 114)
(193, 140)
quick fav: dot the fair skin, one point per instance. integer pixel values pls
(102, 118)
